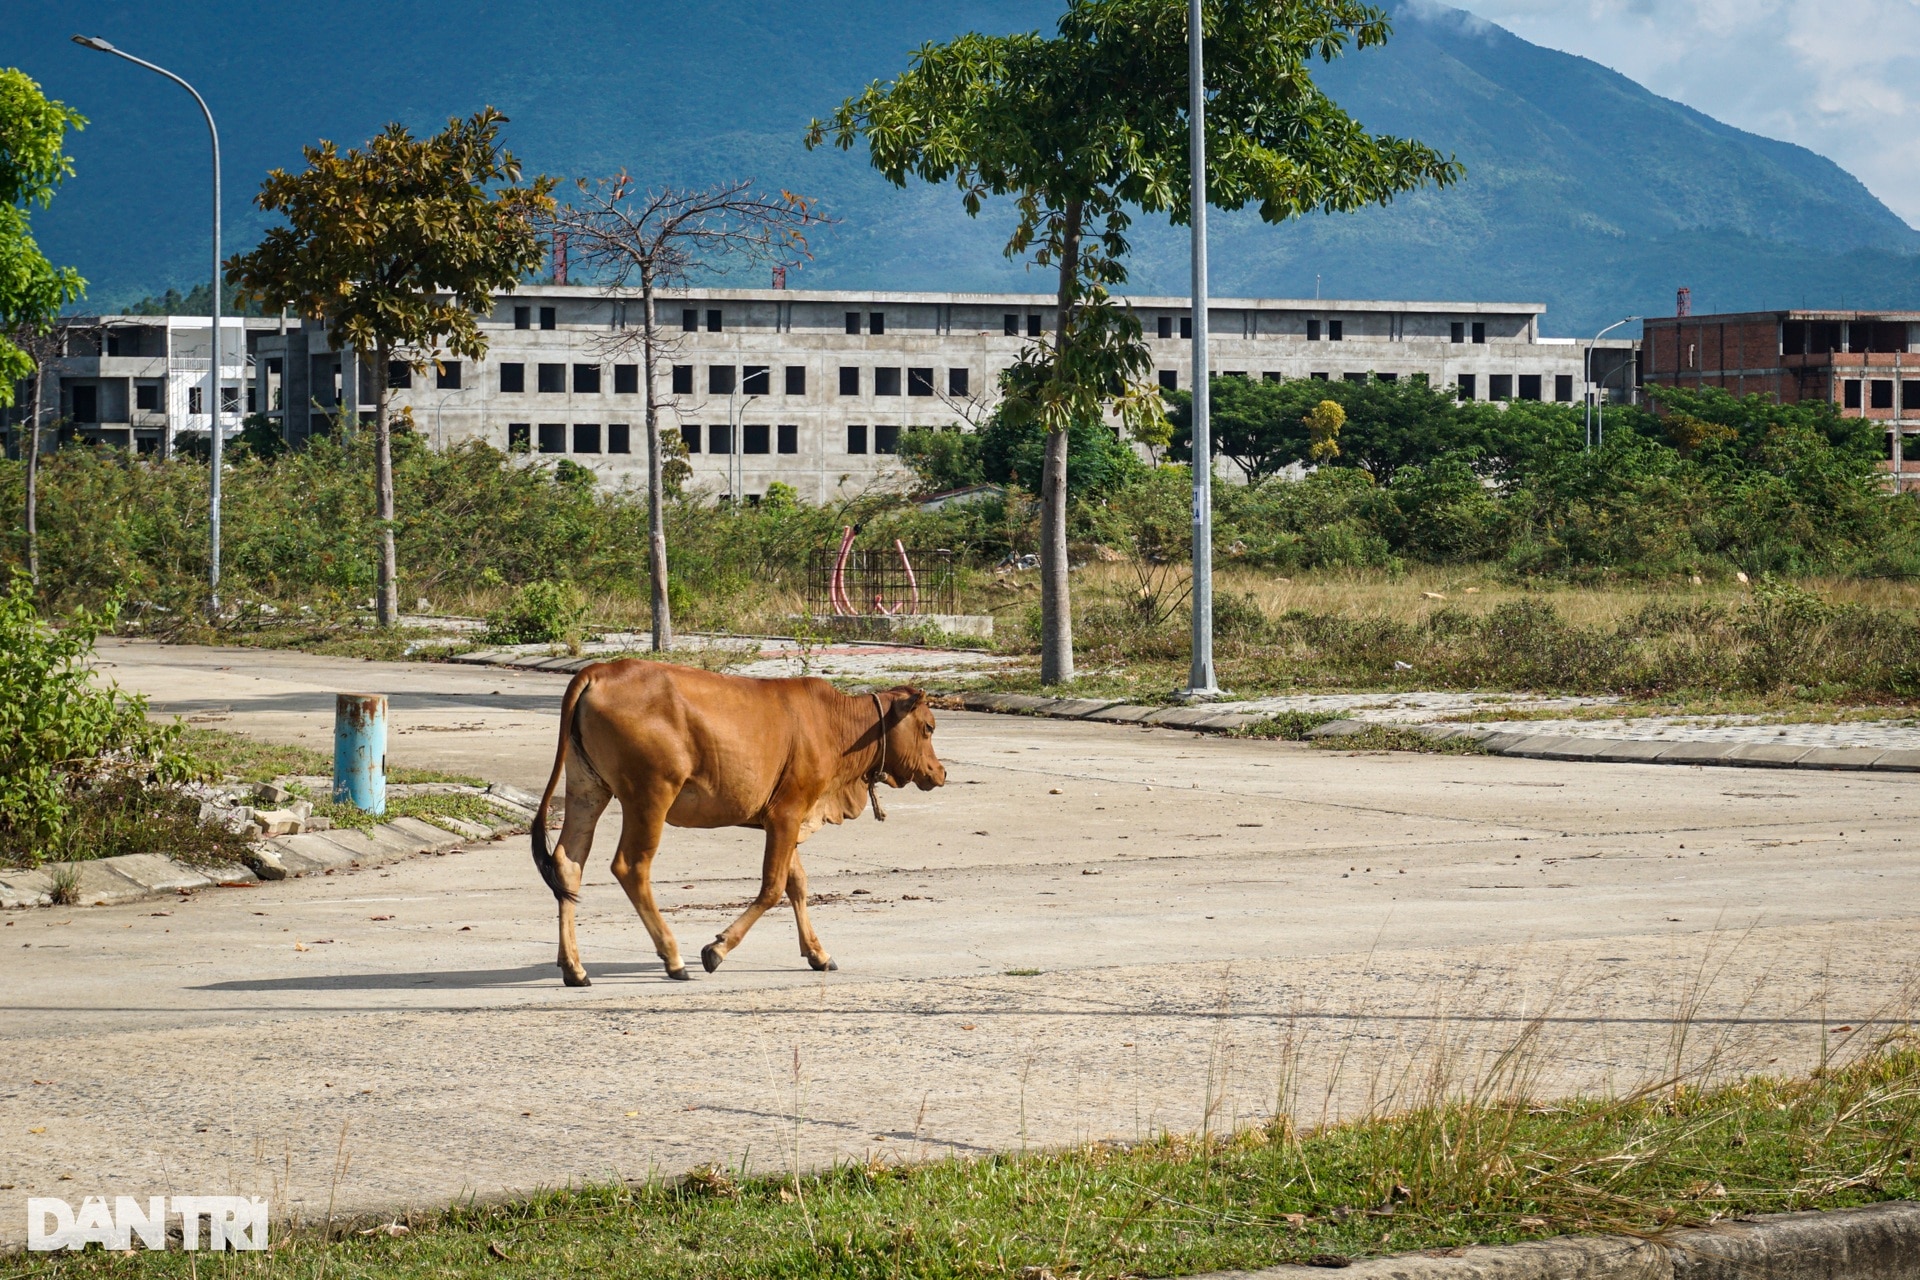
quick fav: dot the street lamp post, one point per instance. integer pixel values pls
(213, 358)
(737, 405)
(1200, 677)
(1596, 411)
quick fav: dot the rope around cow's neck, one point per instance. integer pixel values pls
(879, 770)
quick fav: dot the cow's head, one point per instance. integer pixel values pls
(910, 757)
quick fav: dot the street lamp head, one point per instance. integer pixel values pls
(96, 43)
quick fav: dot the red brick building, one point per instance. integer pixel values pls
(1866, 362)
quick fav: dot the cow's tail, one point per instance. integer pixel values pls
(543, 860)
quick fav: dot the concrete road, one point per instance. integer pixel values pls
(1092, 931)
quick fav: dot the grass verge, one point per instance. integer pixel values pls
(122, 815)
(233, 755)
(1396, 737)
(1493, 1169)
(428, 805)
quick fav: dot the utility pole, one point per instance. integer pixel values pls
(213, 351)
(1200, 678)
(1596, 411)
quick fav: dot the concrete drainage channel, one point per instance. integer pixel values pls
(1880, 1242)
(1528, 746)
(106, 881)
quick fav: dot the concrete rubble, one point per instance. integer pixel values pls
(291, 842)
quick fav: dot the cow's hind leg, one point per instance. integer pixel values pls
(781, 836)
(797, 895)
(587, 798)
(644, 816)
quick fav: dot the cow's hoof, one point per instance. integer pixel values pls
(679, 975)
(711, 956)
(582, 981)
(818, 967)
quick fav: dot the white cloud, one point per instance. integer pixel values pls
(1842, 79)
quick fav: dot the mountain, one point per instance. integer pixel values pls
(1583, 189)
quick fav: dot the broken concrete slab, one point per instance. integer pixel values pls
(1182, 717)
(1337, 729)
(25, 889)
(1629, 750)
(1539, 746)
(1228, 721)
(96, 884)
(1766, 755)
(1121, 713)
(321, 849)
(425, 834)
(1839, 757)
(1571, 748)
(157, 874)
(1696, 753)
(1076, 708)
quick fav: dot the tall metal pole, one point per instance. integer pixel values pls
(1200, 678)
(1596, 405)
(213, 356)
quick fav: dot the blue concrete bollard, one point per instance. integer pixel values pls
(360, 751)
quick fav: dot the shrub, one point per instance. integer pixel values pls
(61, 734)
(541, 612)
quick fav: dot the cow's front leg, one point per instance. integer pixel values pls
(797, 895)
(644, 816)
(781, 837)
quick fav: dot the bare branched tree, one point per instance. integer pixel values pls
(44, 344)
(623, 237)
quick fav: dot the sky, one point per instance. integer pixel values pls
(1840, 77)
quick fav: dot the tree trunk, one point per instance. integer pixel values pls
(387, 602)
(1056, 604)
(656, 482)
(33, 472)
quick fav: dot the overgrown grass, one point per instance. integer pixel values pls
(1489, 1167)
(124, 815)
(1777, 642)
(428, 805)
(244, 759)
(1399, 737)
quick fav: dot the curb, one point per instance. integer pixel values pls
(1733, 755)
(1879, 1242)
(1525, 746)
(1200, 718)
(136, 876)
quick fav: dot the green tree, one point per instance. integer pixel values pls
(942, 460)
(1013, 450)
(33, 163)
(399, 247)
(1258, 426)
(1082, 127)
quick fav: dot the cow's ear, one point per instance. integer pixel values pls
(914, 698)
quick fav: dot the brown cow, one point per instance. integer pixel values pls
(699, 749)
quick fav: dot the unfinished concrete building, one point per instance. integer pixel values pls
(813, 388)
(1865, 362)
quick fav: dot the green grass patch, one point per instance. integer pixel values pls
(120, 815)
(234, 755)
(1491, 1171)
(1395, 737)
(1288, 726)
(349, 639)
(429, 805)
